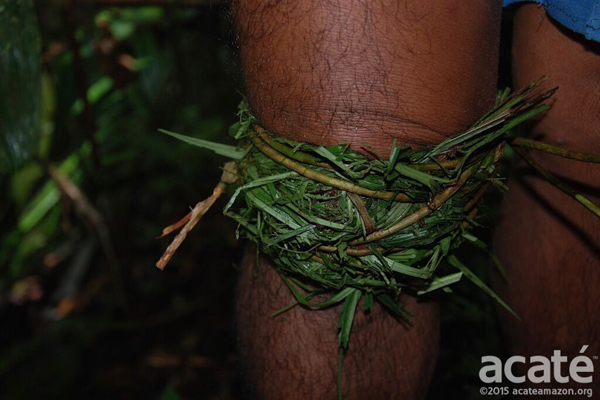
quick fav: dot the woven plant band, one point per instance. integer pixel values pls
(352, 224)
(344, 223)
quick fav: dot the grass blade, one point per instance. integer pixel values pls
(221, 149)
(347, 316)
(455, 262)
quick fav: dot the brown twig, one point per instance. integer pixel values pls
(229, 176)
(172, 228)
(362, 211)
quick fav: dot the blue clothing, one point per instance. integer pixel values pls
(582, 16)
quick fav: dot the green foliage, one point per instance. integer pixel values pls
(309, 209)
(353, 226)
(220, 149)
(20, 86)
(166, 68)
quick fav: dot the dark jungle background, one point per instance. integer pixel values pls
(87, 183)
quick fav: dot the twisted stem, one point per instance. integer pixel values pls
(554, 150)
(323, 178)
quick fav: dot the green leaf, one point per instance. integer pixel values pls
(257, 183)
(455, 262)
(395, 153)
(369, 303)
(480, 244)
(290, 234)
(281, 216)
(96, 91)
(20, 85)
(422, 177)
(439, 283)
(322, 151)
(336, 298)
(393, 306)
(347, 316)
(221, 149)
(49, 195)
(399, 267)
(301, 299)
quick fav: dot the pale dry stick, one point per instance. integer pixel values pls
(177, 225)
(228, 177)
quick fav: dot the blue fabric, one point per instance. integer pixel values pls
(582, 16)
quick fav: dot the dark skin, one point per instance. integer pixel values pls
(368, 72)
(549, 244)
(363, 72)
